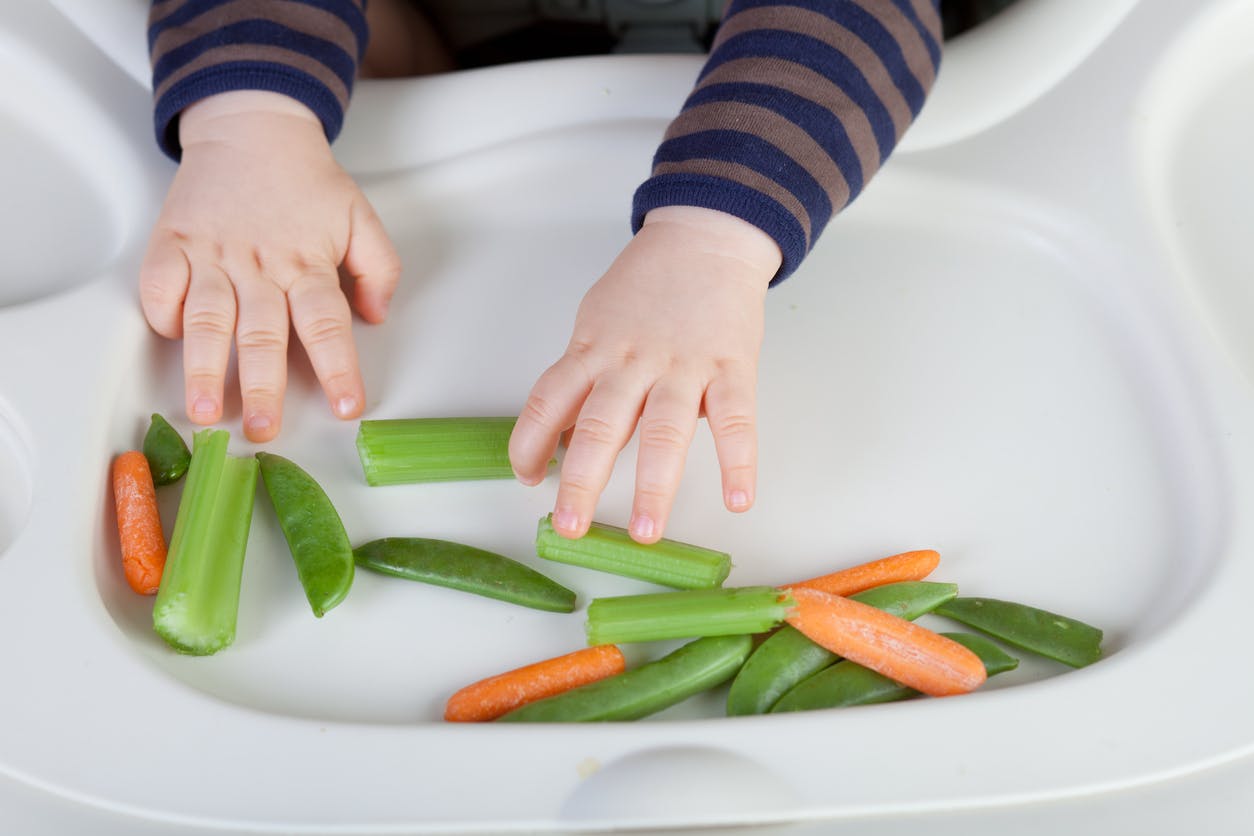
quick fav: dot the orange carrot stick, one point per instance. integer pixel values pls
(899, 649)
(907, 566)
(497, 695)
(139, 522)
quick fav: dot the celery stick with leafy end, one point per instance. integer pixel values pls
(406, 450)
(611, 549)
(198, 602)
(687, 614)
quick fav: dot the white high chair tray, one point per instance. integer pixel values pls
(1024, 346)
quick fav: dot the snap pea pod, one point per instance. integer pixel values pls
(693, 668)
(166, 452)
(848, 683)
(994, 658)
(1045, 633)
(314, 532)
(908, 599)
(787, 657)
(466, 568)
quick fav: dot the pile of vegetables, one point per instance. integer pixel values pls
(841, 639)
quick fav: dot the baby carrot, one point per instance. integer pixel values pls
(787, 658)
(498, 695)
(846, 683)
(899, 649)
(139, 522)
(907, 566)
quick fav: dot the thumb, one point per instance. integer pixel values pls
(372, 262)
(163, 280)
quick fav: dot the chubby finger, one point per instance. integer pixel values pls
(261, 346)
(730, 408)
(372, 261)
(604, 425)
(163, 280)
(324, 325)
(667, 426)
(550, 410)
(208, 323)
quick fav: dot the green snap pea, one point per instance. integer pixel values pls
(314, 532)
(693, 668)
(848, 683)
(787, 657)
(994, 658)
(466, 568)
(908, 599)
(1045, 633)
(842, 684)
(166, 452)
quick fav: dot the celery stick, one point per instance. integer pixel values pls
(406, 450)
(198, 602)
(687, 614)
(611, 549)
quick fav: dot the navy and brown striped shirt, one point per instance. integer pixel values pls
(306, 49)
(797, 106)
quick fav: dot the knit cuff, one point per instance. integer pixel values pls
(727, 196)
(242, 75)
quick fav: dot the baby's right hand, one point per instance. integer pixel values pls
(257, 222)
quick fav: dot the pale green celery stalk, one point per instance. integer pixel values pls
(611, 549)
(405, 450)
(198, 602)
(687, 614)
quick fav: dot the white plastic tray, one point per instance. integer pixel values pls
(1015, 348)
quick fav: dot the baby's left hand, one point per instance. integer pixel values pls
(670, 332)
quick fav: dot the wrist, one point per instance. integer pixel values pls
(229, 115)
(718, 232)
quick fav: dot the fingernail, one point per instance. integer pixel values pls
(641, 527)
(738, 499)
(346, 407)
(565, 519)
(204, 408)
(259, 424)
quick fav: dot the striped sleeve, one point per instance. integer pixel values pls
(306, 49)
(797, 106)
